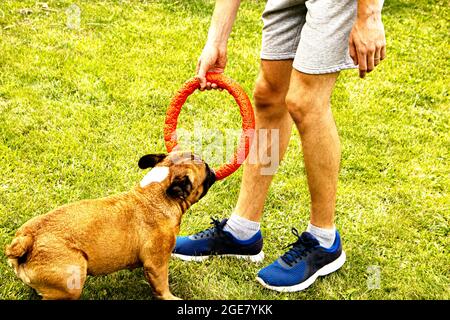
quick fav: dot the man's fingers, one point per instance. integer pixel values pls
(211, 85)
(383, 53)
(201, 75)
(370, 60)
(202, 82)
(352, 52)
(362, 63)
(376, 58)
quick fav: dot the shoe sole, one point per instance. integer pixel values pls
(254, 258)
(325, 270)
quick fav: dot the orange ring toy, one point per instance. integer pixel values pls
(245, 107)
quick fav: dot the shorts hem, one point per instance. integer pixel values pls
(277, 56)
(333, 69)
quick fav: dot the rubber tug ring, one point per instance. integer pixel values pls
(245, 108)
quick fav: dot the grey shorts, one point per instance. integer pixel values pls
(314, 33)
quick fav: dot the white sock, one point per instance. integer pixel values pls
(324, 236)
(241, 228)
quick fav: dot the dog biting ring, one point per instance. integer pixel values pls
(245, 107)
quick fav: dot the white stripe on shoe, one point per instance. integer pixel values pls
(325, 270)
(254, 258)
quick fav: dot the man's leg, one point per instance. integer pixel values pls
(317, 252)
(308, 102)
(271, 113)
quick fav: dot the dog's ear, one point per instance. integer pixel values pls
(150, 160)
(181, 188)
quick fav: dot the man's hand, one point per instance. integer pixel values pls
(367, 43)
(212, 59)
(214, 54)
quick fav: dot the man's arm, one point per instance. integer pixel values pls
(214, 54)
(367, 42)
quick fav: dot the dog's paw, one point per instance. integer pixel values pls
(169, 297)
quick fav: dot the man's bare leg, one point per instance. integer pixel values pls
(271, 113)
(308, 102)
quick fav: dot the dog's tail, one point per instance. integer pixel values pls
(17, 250)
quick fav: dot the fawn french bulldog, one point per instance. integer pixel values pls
(53, 253)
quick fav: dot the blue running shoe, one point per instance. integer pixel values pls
(217, 242)
(302, 264)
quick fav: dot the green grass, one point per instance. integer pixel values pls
(79, 107)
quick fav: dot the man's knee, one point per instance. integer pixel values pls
(269, 98)
(309, 96)
(305, 103)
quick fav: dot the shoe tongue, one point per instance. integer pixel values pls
(223, 223)
(309, 238)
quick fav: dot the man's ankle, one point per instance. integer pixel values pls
(325, 236)
(241, 228)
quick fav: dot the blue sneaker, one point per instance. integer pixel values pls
(217, 242)
(302, 264)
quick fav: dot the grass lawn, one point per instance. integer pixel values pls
(79, 107)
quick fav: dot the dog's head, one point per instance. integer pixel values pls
(185, 177)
